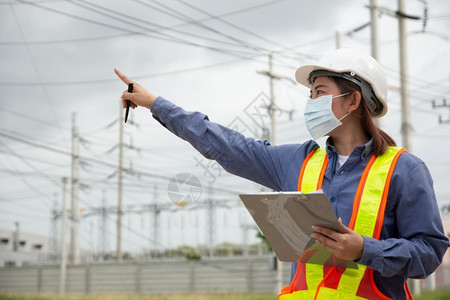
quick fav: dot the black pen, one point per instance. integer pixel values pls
(130, 90)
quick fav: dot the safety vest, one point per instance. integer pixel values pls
(313, 281)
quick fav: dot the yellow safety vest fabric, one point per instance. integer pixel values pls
(371, 194)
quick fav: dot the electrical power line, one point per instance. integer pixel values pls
(109, 13)
(97, 38)
(157, 35)
(97, 161)
(38, 73)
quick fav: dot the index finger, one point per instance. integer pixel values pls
(122, 76)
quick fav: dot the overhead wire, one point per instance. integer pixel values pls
(19, 196)
(253, 7)
(138, 234)
(184, 17)
(50, 162)
(31, 187)
(29, 117)
(97, 161)
(136, 77)
(220, 19)
(252, 57)
(30, 165)
(15, 214)
(415, 79)
(159, 35)
(37, 72)
(122, 17)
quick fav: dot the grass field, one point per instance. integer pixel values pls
(438, 295)
(226, 296)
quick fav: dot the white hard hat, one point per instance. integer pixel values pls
(355, 66)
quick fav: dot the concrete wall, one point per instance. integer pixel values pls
(254, 274)
(215, 275)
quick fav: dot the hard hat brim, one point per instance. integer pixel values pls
(302, 75)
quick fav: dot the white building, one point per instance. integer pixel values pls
(22, 249)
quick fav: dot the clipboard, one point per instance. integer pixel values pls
(286, 220)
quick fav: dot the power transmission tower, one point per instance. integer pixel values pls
(62, 275)
(273, 108)
(155, 216)
(441, 104)
(75, 192)
(103, 229)
(55, 214)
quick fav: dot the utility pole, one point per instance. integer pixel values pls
(338, 39)
(75, 189)
(119, 192)
(62, 276)
(16, 237)
(374, 29)
(404, 85)
(375, 48)
(211, 222)
(273, 140)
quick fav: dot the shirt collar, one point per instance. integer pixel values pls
(363, 150)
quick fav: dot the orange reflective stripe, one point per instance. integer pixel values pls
(322, 282)
(302, 171)
(322, 173)
(408, 292)
(359, 191)
(314, 166)
(295, 276)
(380, 217)
(374, 286)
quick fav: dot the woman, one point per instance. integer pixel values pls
(390, 222)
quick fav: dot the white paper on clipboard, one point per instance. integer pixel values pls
(286, 220)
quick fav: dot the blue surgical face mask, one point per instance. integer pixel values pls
(319, 116)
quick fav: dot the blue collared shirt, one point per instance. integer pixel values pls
(412, 241)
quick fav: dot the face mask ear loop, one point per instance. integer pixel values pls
(341, 95)
(345, 116)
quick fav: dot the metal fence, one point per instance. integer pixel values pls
(253, 274)
(157, 277)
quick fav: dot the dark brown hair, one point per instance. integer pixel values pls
(381, 140)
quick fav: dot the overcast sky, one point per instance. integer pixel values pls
(57, 58)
